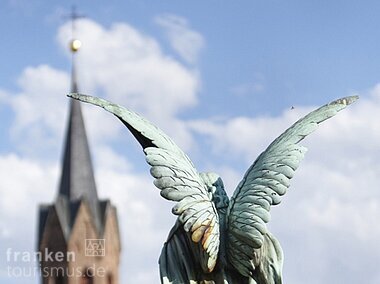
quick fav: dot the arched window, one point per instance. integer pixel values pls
(109, 278)
(87, 277)
(59, 279)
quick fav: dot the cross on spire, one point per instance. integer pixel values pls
(73, 17)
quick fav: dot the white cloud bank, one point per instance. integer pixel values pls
(130, 68)
(42, 90)
(119, 63)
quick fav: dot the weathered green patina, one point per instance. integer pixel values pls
(216, 239)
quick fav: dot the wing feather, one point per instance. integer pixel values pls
(176, 177)
(263, 185)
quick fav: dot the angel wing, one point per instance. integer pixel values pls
(263, 185)
(176, 177)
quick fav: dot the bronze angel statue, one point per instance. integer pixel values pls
(216, 239)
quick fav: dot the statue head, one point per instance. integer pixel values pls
(215, 188)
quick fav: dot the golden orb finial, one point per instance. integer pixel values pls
(75, 44)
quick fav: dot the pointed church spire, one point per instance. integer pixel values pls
(77, 214)
(77, 178)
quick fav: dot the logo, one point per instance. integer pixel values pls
(95, 247)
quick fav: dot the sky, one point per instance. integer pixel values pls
(223, 80)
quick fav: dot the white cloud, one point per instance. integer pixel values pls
(120, 63)
(24, 184)
(187, 42)
(39, 115)
(144, 219)
(129, 67)
(248, 89)
(244, 136)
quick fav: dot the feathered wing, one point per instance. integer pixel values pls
(265, 182)
(175, 176)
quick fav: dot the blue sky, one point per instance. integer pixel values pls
(226, 75)
(311, 48)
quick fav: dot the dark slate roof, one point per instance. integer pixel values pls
(67, 212)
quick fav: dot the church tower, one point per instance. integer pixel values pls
(78, 234)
